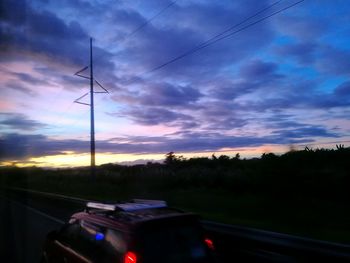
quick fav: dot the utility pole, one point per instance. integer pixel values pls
(91, 104)
(92, 117)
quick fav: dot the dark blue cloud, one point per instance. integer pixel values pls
(343, 90)
(333, 60)
(13, 11)
(42, 33)
(46, 24)
(258, 69)
(304, 52)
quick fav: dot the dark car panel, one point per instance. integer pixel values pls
(172, 243)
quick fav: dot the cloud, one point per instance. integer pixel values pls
(18, 86)
(17, 146)
(301, 27)
(304, 52)
(268, 80)
(306, 132)
(334, 60)
(160, 42)
(221, 116)
(13, 11)
(160, 104)
(296, 94)
(27, 32)
(343, 90)
(252, 76)
(23, 82)
(24, 77)
(165, 94)
(227, 90)
(280, 121)
(258, 69)
(157, 116)
(20, 122)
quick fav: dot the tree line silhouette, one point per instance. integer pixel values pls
(315, 173)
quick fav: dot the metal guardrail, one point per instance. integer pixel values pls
(278, 245)
(260, 245)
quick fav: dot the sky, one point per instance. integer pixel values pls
(194, 77)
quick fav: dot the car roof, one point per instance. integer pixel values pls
(127, 216)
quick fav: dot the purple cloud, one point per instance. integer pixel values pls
(19, 146)
(157, 116)
(164, 94)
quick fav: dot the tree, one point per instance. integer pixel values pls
(171, 158)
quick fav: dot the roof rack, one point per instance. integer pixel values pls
(133, 205)
(100, 206)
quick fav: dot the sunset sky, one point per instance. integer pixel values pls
(266, 85)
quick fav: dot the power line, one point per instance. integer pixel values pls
(92, 81)
(223, 36)
(141, 26)
(98, 59)
(238, 24)
(150, 19)
(210, 41)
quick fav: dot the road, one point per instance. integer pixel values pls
(22, 231)
(26, 218)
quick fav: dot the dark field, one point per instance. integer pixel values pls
(301, 192)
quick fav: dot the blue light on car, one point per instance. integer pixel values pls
(99, 236)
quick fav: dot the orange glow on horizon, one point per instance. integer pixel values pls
(72, 159)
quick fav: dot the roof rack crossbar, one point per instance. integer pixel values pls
(148, 201)
(101, 206)
(133, 205)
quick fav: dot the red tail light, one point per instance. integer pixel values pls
(130, 257)
(209, 243)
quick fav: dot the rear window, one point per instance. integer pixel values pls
(173, 244)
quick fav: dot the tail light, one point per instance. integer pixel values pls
(209, 243)
(130, 257)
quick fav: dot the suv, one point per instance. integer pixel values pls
(139, 231)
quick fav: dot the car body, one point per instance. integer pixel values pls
(140, 231)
